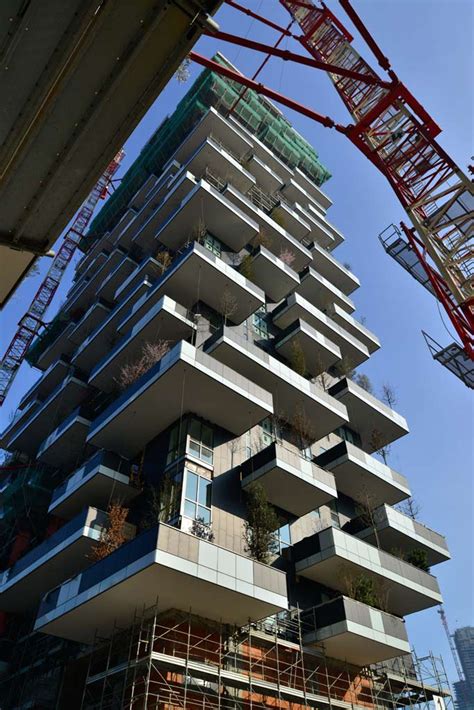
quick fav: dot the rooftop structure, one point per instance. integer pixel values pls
(217, 527)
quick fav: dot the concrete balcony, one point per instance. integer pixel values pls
(335, 558)
(104, 243)
(296, 193)
(94, 483)
(318, 351)
(148, 269)
(213, 124)
(59, 346)
(213, 155)
(332, 270)
(115, 279)
(49, 563)
(398, 531)
(21, 416)
(293, 395)
(320, 292)
(159, 210)
(376, 424)
(266, 177)
(209, 390)
(93, 264)
(48, 381)
(278, 239)
(88, 289)
(272, 275)
(262, 152)
(354, 632)
(220, 215)
(322, 231)
(291, 482)
(99, 341)
(352, 326)
(68, 395)
(91, 319)
(295, 308)
(359, 475)
(166, 318)
(291, 220)
(322, 200)
(168, 565)
(198, 275)
(65, 444)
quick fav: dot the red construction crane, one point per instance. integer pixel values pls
(31, 322)
(395, 132)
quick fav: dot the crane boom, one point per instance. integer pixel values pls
(454, 652)
(31, 322)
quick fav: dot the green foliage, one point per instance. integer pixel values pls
(160, 503)
(364, 382)
(246, 267)
(260, 526)
(297, 358)
(363, 589)
(418, 558)
(201, 529)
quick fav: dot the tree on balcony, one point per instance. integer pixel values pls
(345, 367)
(287, 257)
(410, 507)
(201, 529)
(369, 513)
(378, 445)
(160, 502)
(112, 534)
(163, 257)
(260, 526)
(228, 305)
(297, 358)
(246, 267)
(302, 429)
(418, 558)
(389, 395)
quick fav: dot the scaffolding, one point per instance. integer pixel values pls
(174, 659)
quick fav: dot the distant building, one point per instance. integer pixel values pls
(464, 689)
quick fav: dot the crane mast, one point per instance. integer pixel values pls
(31, 322)
(454, 652)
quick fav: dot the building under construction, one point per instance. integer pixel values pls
(198, 510)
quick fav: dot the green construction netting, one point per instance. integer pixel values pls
(210, 89)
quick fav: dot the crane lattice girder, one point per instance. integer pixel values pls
(395, 132)
(31, 322)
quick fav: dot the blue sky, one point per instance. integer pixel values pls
(430, 46)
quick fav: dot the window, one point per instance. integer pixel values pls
(197, 497)
(195, 438)
(268, 432)
(213, 244)
(200, 440)
(348, 435)
(335, 521)
(283, 537)
(259, 323)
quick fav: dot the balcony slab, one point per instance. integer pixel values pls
(166, 566)
(215, 156)
(358, 475)
(65, 444)
(166, 321)
(334, 558)
(318, 351)
(208, 389)
(293, 395)
(267, 178)
(356, 633)
(332, 270)
(352, 326)
(93, 483)
(320, 292)
(291, 482)
(296, 307)
(272, 275)
(52, 561)
(398, 531)
(376, 424)
(48, 381)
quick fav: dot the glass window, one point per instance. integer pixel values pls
(175, 447)
(335, 521)
(348, 435)
(197, 502)
(283, 537)
(200, 440)
(268, 431)
(213, 244)
(259, 323)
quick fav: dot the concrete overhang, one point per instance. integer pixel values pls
(318, 351)
(73, 90)
(272, 275)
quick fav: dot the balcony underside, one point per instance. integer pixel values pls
(295, 308)
(293, 396)
(359, 331)
(120, 274)
(185, 380)
(320, 292)
(351, 642)
(199, 276)
(319, 353)
(403, 588)
(215, 125)
(163, 322)
(215, 157)
(61, 346)
(272, 275)
(96, 489)
(376, 424)
(340, 276)
(292, 221)
(192, 575)
(219, 216)
(90, 320)
(148, 269)
(290, 482)
(65, 444)
(48, 381)
(267, 178)
(359, 476)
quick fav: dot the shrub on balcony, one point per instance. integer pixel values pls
(363, 589)
(297, 358)
(418, 558)
(112, 534)
(246, 267)
(260, 526)
(201, 529)
(161, 502)
(152, 352)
